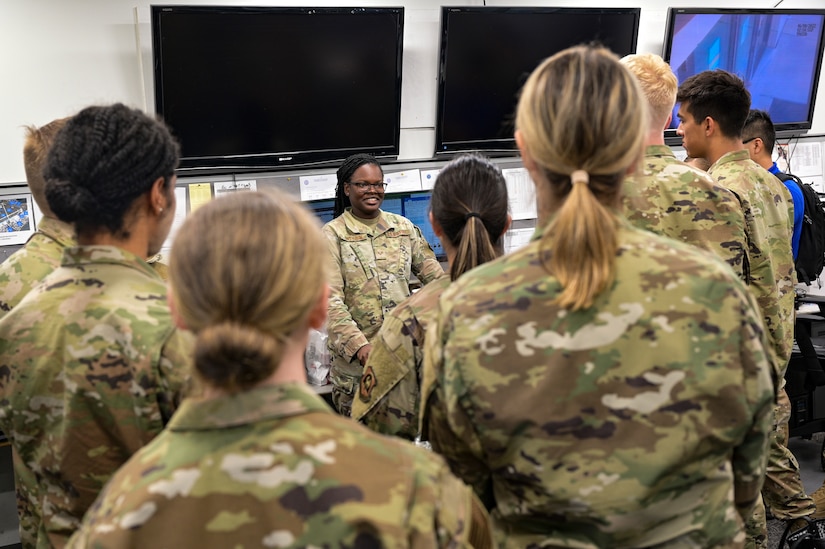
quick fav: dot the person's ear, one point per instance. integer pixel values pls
(158, 200)
(709, 125)
(668, 121)
(439, 232)
(318, 314)
(173, 309)
(758, 146)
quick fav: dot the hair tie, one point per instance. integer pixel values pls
(468, 215)
(580, 176)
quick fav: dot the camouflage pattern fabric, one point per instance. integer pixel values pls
(673, 199)
(389, 393)
(91, 369)
(641, 421)
(783, 491)
(274, 467)
(19, 273)
(768, 209)
(26, 267)
(370, 268)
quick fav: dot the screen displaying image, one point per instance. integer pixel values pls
(778, 55)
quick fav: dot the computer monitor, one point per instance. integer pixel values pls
(416, 208)
(777, 52)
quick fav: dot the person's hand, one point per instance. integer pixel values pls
(364, 353)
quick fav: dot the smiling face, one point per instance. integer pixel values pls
(692, 133)
(366, 203)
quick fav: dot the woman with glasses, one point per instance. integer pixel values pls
(372, 255)
(469, 214)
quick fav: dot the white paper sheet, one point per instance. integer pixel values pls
(428, 178)
(521, 193)
(16, 223)
(406, 181)
(318, 187)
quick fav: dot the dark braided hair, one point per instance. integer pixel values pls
(469, 202)
(344, 174)
(102, 161)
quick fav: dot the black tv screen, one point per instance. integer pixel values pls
(487, 53)
(778, 53)
(261, 87)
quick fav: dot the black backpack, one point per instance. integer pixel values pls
(811, 257)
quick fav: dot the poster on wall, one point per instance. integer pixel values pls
(16, 222)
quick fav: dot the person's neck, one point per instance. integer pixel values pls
(720, 147)
(654, 137)
(134, 244)
(766, 163)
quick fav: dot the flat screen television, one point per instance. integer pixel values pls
(262, 87)
(487, 53)
(777, 52)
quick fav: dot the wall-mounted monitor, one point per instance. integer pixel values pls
(487, 53)
(263, 87)
(778, 53)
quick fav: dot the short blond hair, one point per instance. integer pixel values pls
(36, 147)
(657, 82)
(582, 110)
(246, 271)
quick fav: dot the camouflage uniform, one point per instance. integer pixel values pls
(674, 199)
(369, 275)
(19, 273)
(30, 264)
(91, 369)
(767, 206)
(274, 467)
(641, 421)
(768, 212)
(389, 394)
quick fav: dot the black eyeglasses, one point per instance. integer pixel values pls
(746, 141)
(363, 186)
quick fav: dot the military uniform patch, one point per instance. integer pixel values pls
(368, 383)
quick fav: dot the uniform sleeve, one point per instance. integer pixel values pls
(759, 378)
(446, 418)
(175, 368)
(445, 508)
(388, 397)
(344, 335)
(424, 264)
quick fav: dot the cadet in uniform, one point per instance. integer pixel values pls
(669, 197)
(711, 125)
(92, 363)
(23, 270)
(372, 254)
(41, 254)
(603, 386)
(469, 215)
(260, 460)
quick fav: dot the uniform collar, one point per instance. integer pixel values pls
(354, 225)
(80, 256)
(60, 232)
(261, 403)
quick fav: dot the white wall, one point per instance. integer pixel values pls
(58, 56)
